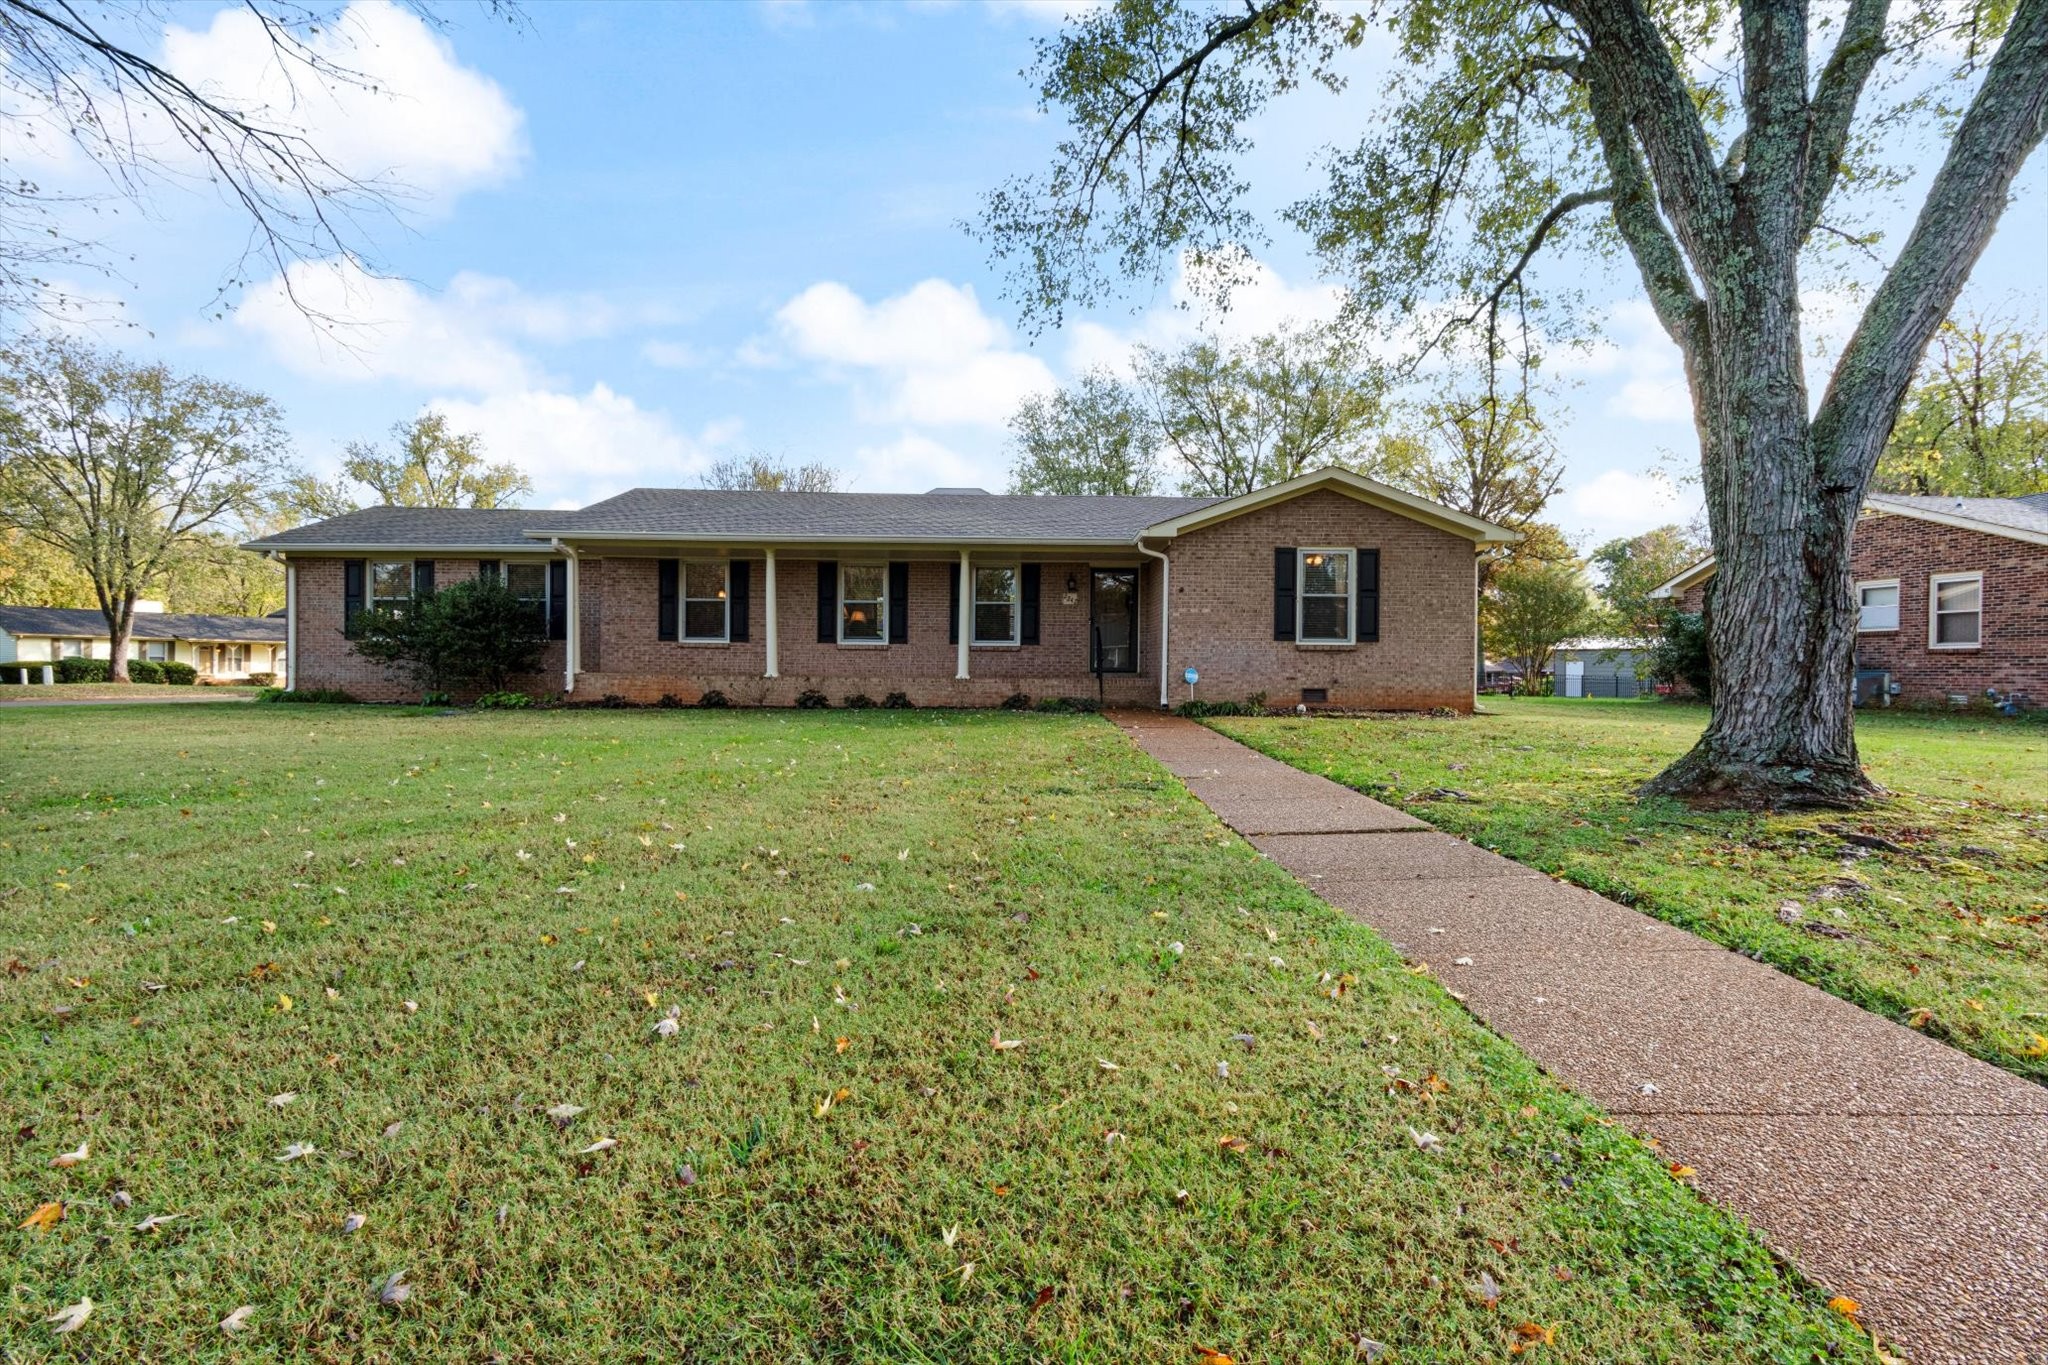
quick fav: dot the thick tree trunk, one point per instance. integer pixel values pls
(1781, 625)
(120, 625)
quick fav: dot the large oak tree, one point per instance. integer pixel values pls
(1705, 142)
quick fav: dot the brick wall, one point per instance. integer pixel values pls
(1222, 622)
(2014, 652)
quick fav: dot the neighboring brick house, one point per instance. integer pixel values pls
(1330, 589)
(1952, 595)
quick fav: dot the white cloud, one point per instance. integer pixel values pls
(913, 463)
(1621, 502)
(674, 355)
(417, 118)
(929, 356)
(579, 448)
(1264, 302)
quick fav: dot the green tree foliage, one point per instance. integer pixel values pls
(213, 573)
(1532, 607)
(1240, 417)
(1630, 567)
(35, 574)
(471, 636)
(1092, 436)
(1679, 654)
(124, 467)
(1976, 422)
(1719, 149)
(1485, 453)
(764, 473)
(434, 467)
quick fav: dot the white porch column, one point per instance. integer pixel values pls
(768, 617)
(291, 624)
(966, 610)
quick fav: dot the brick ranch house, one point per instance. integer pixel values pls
(1330, 589)
(1952, 596)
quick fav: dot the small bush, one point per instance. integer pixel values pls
(811, 699)
(437, 699)
(503, 701)
(1017, 701)
(183, 675)
(318, 696)
(714, 700)
(669, 701)
(145, 671)
(1680, 654)
(21, 673)
(896, 701)
(83, 670)
(859, 701)
(263, 679)
(1195, 710)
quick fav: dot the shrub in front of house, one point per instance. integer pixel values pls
(1195, 710)
(145, 671)
(1017, 701)
(503, 701)
(177, 674)
(811, 699)
(1680, 654)
(859, 701)
(83, 670)
(472, 635)
(315, 696)
(263, 679)
(896, 701)
(714, 700)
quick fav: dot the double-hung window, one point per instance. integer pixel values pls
(1877, 605)
(707, 616)
(390, 584)
(528, 581)
(153, 651)
(70, 649)
(1955, 611)
(863, 604)
(1323, 602)
(995, 604)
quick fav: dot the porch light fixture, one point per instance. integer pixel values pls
(1073, 583)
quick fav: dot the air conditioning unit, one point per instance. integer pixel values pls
(1873, 687)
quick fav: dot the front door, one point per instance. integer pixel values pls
(1113, 603)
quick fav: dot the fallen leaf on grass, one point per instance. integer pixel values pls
(1209, 1355)
(601, 1145)
(45, 1217)
(71, 1158)
(72, 1318)
(1230, 1143)
(237, 1320)
(298, 1150)
(1529, 1335)
(1425, 1140)
(667, 1027)
(842, 1043)
(1486, 1289)
(155, 1221)
(1683, 1171)
(282, 1098)
(1107, 1065)
(353, 1224)
(394, 1291)
(562, 1113)
(1002, 1044)
(1845, 1305)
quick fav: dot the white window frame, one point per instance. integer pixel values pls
(371, 600)
(1015, 602)
(63, 648)
(881, 603)
(1301, 595)
(1935, 583)
(143, 652)
(683, 600)
(1897, 597)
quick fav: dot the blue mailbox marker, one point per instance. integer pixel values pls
(1191, 677)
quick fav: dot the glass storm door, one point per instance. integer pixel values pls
(1113, 601)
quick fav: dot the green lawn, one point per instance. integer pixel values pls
(1946, 930)
(433, 929)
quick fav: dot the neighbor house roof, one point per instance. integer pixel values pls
(404, 528)
(944, 516)
(85, 622)
(2023, 518)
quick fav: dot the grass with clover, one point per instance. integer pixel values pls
(433, 928)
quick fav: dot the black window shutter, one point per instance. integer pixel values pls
(352, 571)
(1027, 602)
(1368, 594)
(828, 601)
(738, 592)
(558, 599)
(423, 578)
(899, 602)
(487, 569)
(668, 574)
(1283, 593)
(953, 608)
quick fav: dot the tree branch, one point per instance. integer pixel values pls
(1642, 228)
(2005, 122)
(1834, 103)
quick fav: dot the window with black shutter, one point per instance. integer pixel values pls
(741, 575)
(1027, 605)
(667, 573)
(558, 599)
(899, 603)
(353, 572)
(828, 601)
(487, 570)
(1368, 594)
(423, 578)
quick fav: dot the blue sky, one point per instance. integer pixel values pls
(646, 236)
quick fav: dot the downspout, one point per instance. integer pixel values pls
(573, 615)
(1165, 612)
(291, 618)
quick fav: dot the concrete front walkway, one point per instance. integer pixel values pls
(1891, 1168)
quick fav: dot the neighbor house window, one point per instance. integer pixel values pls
(863, 604)
(706, 614)
(1323, 604)
(995, 604)
(528, 582)
(69, 649)
(1877, 605)
(153, 651)
(391, 584)
(1955, 611)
